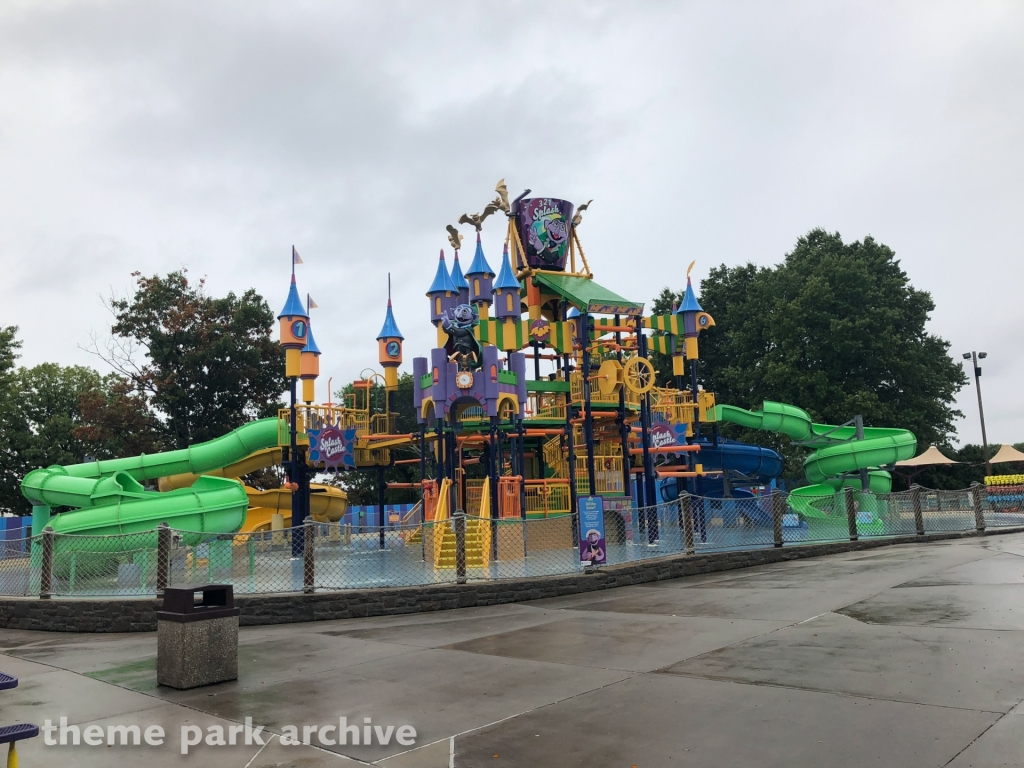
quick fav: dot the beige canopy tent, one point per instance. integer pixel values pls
(932, 456)
(1006, 454)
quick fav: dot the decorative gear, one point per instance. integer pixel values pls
(638, 375)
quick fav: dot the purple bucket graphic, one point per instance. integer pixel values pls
(544, 228)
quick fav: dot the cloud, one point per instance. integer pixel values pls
(216, 135)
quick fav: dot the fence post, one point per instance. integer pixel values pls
(915, 499)
(686, 511)
(163, 557)
(308, 557)
(46, 574)
(778, 509)
(459, 521)
(250, 547)
(979, 514)
(851, 512)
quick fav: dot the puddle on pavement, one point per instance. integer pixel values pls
(136, 675)
(923, 613)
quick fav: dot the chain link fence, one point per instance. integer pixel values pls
(334, 556)
(15, 567)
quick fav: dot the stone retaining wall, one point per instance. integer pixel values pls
(139, 614)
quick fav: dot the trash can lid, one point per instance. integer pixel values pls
(180, 604)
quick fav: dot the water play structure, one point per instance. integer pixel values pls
(539, 392)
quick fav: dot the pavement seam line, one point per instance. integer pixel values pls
(512, 717)
(812, 618)
(984, 731)
(259, 751)
(339, 755)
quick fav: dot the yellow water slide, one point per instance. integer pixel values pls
(326, 503)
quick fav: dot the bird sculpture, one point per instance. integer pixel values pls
(477, 219)
(454, 237)
(502, 199)
(579, 213)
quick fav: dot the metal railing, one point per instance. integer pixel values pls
(547, 498)
(446, 549)
(608, 477)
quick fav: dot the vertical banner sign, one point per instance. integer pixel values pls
(592, 546)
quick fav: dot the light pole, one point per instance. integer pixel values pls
(974, 357)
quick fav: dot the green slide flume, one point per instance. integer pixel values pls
(838, 455)
(108, 497)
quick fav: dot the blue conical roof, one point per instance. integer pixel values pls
(690, 303)
(442, 280)
(457, 279)
(572, 313)
(506, 277)
(479, 265)
(311, 342)
(293, 306)
(390, 329)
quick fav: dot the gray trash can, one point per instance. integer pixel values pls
(197, 640)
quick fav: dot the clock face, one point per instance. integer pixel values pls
(464, 379)
(393, 349)
(299, 329)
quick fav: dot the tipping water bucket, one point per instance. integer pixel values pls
(544, 225)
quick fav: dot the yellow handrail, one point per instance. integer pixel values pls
(485, 500)
(485, 522)
(412, 513)
(440, 515)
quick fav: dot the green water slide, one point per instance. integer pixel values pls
(838, 455)
(108, 497)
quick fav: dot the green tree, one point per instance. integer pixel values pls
(14, 431)
(41, 423)
(206, 365)
(50, 395)
(836, 329)
(116, 421)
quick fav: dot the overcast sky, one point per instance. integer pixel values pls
(214, 135)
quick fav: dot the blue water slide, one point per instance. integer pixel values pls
(761, 465)
(754, 461)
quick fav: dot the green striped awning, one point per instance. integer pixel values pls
(587, 295)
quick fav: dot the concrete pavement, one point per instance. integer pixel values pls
(902, 656)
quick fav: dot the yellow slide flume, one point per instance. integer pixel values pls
(251, 463)
(326, 504)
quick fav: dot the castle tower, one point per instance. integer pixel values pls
(480, 277)
(443, 295)
(309, 368)
(507, 307)
(695, 320)
(506, 291)
(294, 327)
(459, 281)
(389, 346)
